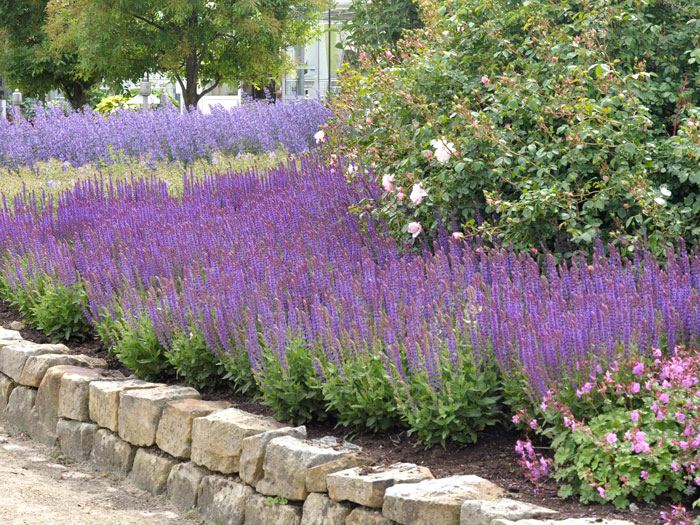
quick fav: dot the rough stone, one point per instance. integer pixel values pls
(217, 438)
(6, 387)
(111, 453)
(45, 411)
(74, 394)
(150, 471)
(174, 434)
(10, 335)
(319, 509)
(223, 501)
(253, 451)
(435, 500)
(483, 512)
(362, 516)
(316, 476)
(104, 400)
(260, 511)
(16, 326)
(569, 521)
(183, 483)
(76, 438)
(36, 366)
(19, 408)
(140, 411)
(287, 461)
(366, 486)
(13, 357)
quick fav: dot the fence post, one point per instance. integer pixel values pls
(17, 99)
(145, 92)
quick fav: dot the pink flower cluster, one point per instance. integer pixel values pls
(535, 466)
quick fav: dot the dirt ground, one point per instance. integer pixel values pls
(38, 487)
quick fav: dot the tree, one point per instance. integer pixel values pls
(200, 43)
(29, 62)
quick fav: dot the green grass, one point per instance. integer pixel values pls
(53, 179)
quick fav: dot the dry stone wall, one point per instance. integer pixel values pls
(237, 468)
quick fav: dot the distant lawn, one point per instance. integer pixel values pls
(53, 177)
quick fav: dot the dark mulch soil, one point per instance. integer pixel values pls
(493, 458)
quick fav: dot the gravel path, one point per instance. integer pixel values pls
(38, 487)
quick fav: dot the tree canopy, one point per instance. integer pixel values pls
(29, 61)
(200, 43)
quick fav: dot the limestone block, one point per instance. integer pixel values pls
(316, 476)
(223, 501)
(10, 335)
(13, 357)
(19, 408)
(104, 400)
(260, 510)
(45, 411)
(319, 509)
(287, 461)
(253, 451)
(150, 471)
(6, 387)
(17, 325)
(111, 453)
(74, 393)
(367, 485)
(140, 411)
(183, 483)
(483, 512)
(363, 516)
(36, 366)
(174, 434)
(435, 500)
(76, 438)
(569, 521)
(217, 439)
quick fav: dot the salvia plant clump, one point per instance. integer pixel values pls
(290, 292)
(164, 134)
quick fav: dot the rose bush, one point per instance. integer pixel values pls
(535, 123)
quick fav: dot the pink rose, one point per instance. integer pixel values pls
(418, 194)
(414, 228)
(485, 79)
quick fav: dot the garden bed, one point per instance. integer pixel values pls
(492, 458)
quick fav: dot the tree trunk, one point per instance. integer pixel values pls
(76, 93)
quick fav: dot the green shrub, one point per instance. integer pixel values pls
(136, 345)
(466, 402)
(195, 363)
(534, 123)
(292, 389)
(378, 24)
(54, 309)
(629, 433)
(362, 397)
(58, 312)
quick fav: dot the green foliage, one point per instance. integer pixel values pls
(111, 104)
(625, 435)
(291, 385)
(136, 345)
(465, 402)
(198, 43)
(535, 123)
(378, 24)
(52, 308)
(194, 361)
(362, 397)
(29, 63)
(58, 312)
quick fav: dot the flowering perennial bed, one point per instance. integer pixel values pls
(269, 283)
(86, 136)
